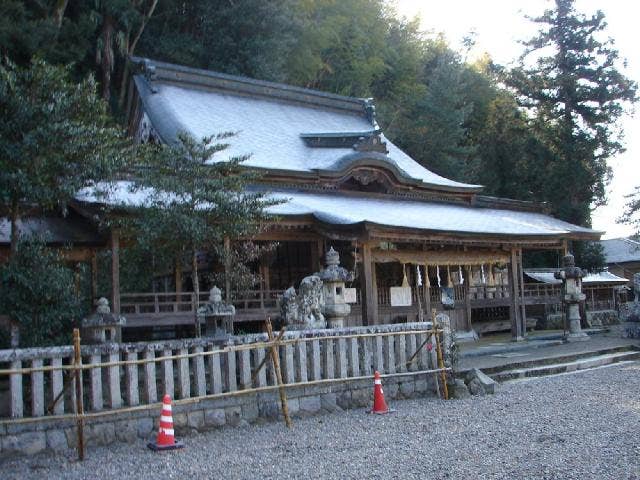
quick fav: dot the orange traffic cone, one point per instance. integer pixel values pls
(379, 405)
(165, 439)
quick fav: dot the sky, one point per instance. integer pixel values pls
(499, 24)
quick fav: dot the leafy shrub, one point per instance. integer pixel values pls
(37, 291)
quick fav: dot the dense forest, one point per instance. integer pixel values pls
(542, 131)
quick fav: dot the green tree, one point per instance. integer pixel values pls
(570, 82)
(38, 294)
(194, 202)
(55, 138)
(631, 214)
(120, 24)
(252, 37)
(432, 125)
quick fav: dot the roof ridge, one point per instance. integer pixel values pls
(621, 239)
(158, 70)
(629, 240)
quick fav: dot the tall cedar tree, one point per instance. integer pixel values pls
(576, 94)
(631, 214)
(194, 202)
(438, 132)
(55, 139)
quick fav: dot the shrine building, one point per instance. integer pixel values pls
(415, 240)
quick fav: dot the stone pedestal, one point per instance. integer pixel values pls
(102, 326)
(573, 319)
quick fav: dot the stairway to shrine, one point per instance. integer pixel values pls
(539, 359)
(568, 364)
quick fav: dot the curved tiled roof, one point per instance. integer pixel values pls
(268, 119)
(351, 209)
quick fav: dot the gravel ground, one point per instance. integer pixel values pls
(564, 427)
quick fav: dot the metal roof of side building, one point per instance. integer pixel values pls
(621, 250)
(546, 275)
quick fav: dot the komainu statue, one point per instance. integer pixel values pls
(303, 310)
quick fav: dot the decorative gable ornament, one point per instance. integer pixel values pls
(371, 143)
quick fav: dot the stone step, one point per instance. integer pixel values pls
(557, 359)
(583, 363)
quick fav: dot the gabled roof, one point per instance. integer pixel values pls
(620, 250)
(282, 128)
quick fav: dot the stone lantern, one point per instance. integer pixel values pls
(102, 326)
(572, 286)
(333, 276)
(218, 316)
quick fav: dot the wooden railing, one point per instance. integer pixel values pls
(120, 376)
(487, 292)
(167, 303)
(145, 303)
(598, 298)
(542, 290)
(266, 300)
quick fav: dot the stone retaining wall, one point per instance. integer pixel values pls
(211, 385)
(59, 435)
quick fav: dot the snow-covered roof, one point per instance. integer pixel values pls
(52, 230)
(341, 208)
(345, 209)
(620, 250)
(599, 277)
(269, 120)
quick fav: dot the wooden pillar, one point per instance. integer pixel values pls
(266, 277)
(94, 277)
(177, 272)
(515, 312)
(426, 289)
(523, 314)
(467, 296)
(317, 253)
(370, 303)
(227, 269)
(115, 271)
(76, 280)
